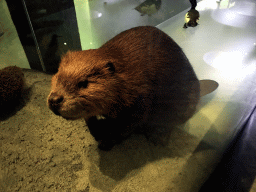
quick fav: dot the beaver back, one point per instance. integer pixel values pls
(152, 60)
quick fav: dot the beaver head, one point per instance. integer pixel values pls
(89, 83)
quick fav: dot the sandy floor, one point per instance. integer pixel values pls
(40, 151)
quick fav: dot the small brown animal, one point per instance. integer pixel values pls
(12, 83)
(138, 81)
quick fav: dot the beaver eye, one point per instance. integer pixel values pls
(111, 67)
(83, 84)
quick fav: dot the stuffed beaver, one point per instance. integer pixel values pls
(139, 81)
(11, 87)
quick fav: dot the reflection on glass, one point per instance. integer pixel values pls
(149, 7)
(230, 63)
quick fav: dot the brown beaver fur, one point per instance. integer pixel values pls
(138, 81)
(11, 86)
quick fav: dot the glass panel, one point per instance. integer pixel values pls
(11, 51)
(55, 28)
(98, 21)
(47, 29)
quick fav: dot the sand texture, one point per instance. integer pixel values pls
(40, 151)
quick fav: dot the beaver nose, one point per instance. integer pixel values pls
(55, 99)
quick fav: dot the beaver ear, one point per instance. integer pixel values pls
(110, 66)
